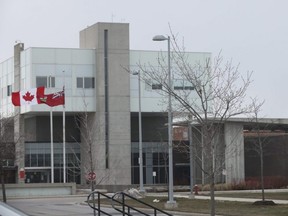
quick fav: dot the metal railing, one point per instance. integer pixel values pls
(118, 203)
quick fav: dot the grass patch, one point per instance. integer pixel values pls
(270, 196)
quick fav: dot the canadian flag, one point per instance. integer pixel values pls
(27, 97)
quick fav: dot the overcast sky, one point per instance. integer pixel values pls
(253, 33)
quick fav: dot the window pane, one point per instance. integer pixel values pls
(33, 160)
(79, 82)
(156, 86)
(47, 161)
(178, 84)
(188, 85)
(40, 160)
(52, 82)
(41, 81)
(27, 160)
(9, 90)
(189, 88)
(178, 87)
(89, 82)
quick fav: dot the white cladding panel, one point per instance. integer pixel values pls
(68, 64)
(65, 65)
(151, 100)
(6, 79)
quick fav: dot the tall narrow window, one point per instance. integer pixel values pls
(89, 82)
(9, 90)
(51, 82)
(79, 82)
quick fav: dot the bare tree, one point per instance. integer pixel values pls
(261, 133)
(259, 142)
(84, 122)
(7, 149)
(211, 93)
(91, 162)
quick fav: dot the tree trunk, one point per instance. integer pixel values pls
(93, 196)
(262, 171)
(212, 195)
(3, 185)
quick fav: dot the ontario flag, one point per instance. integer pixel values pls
(27, 97)
(54, 99)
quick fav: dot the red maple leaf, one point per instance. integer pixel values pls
(28, 96)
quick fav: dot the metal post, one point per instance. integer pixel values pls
(170, 130)
(64, 134)
(140, 159)
(191, 158)
(171, 202)
(140, 138)
(51, 137)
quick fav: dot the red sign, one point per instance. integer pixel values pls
(91, 176)
(21, 173)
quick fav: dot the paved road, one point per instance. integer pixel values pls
(75, 205)
(65, 206)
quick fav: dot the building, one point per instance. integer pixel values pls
(96, 83)
(99, 88)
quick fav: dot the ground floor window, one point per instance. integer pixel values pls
(155, 162)
(38, 162)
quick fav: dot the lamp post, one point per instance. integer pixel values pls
(142, 189)
(170, 145)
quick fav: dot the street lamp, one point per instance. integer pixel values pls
(142, 189)
(170, 145)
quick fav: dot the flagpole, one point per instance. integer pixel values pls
(52, 147)
(64, 133)
(64, 147)
(51, 138)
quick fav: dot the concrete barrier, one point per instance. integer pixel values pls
(39, 189)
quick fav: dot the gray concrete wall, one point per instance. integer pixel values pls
(38, 190)
(234, 153)
(113, 144)
(19, 138)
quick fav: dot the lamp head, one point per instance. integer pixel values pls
(159, 38)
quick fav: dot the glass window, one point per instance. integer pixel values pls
(33, 160)
(79, 82)
(156, 86)
(41, 81)
(188, 85)
(48, 82)
(149, 85)
(178, 84)
(27, 160)
(182, 85)
(188, 88)
(9, 90)
(89, 82)
(40, 160)
(85, 82)
(178, 87)
(51, 82)
(135, 157)
(47, 160)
